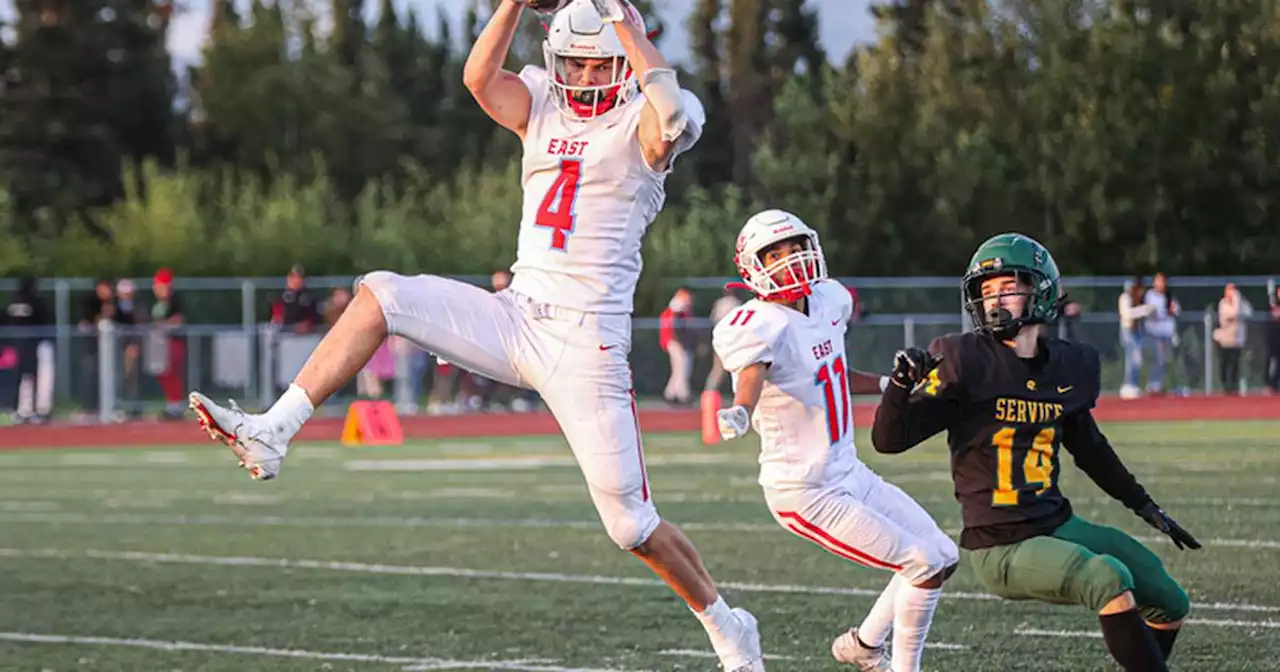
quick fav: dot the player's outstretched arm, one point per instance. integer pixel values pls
(500, 93)
(735, 421)
(903, 422)
(861, 382)
(665, 117)
(1094, 455)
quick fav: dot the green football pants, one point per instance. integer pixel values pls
(1082, 563)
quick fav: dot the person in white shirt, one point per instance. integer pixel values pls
(601, 126)
(792, 382)
(1160, 330)
(1132, 309)
(1234, 312)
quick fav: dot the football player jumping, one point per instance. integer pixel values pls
(792, 382)
(1009, 397)
(602, 125)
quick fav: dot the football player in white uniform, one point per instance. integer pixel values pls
(792, 383)
(601, 127)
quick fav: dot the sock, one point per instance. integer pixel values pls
(1164, 640)
(717, 616)
(290, 411)
(721, 625)
(1130, 642)
(876, 626)
(912, 615)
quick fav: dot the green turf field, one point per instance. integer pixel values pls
(487, 555)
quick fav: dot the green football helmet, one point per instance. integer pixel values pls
(1029, 261)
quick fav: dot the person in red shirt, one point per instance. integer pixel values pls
(166, 317)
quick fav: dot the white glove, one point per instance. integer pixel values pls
(610, 11)
(734, 422)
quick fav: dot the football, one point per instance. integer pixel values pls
(547, 6)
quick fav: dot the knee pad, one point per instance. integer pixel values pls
(383, 286)
(631, 528)
(928, 561)
(1168, 604)
(376, 281)
(1101, 579)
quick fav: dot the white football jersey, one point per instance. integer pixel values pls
(589, 197)
(804, 417)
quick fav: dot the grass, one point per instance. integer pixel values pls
(448, 563)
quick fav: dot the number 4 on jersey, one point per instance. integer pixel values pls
(557, 209)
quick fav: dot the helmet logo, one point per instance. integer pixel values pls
(1039, 255)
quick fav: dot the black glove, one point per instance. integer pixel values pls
(1161, 521)
(910, 366)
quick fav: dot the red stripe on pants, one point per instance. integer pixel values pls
(820, 537)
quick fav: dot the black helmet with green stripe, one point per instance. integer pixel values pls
(1012, 254)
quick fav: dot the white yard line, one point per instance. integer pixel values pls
(393, 521)
(342, 521)
(406, 662)
(694, 653)
(462, 572)
(1097, 634)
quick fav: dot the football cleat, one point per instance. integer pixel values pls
(748, 656)
(250, 437)
(848, 649)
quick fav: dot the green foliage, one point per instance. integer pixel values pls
(1124, 135)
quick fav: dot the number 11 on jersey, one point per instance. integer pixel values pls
(558, 206)
(838, 421)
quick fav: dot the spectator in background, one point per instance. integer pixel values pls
(727, 303)
(678, 340)
(296, 307)
(1273, 342)
(337, 302)
(1233, 316)
(98, 307)
(167, 344)
(101, 305)
(1133, 309)
(28, 314)
(1160, 330)
(128, 340)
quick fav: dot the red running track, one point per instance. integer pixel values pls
(155, 433)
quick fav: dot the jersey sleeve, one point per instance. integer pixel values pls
(745, 337)
(695, 121)
(840, 298)
(1091, 372)
(539, 84)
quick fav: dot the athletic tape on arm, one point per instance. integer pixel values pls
(663, 91)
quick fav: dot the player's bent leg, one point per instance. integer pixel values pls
(843, 523)
(472, 328)
(1059, 571)
(261, 441)
(582, 373)
(1162, 601)
(444, 316)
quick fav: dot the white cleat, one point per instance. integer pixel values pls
(847, 649)
(250, 437)
(748, 655)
